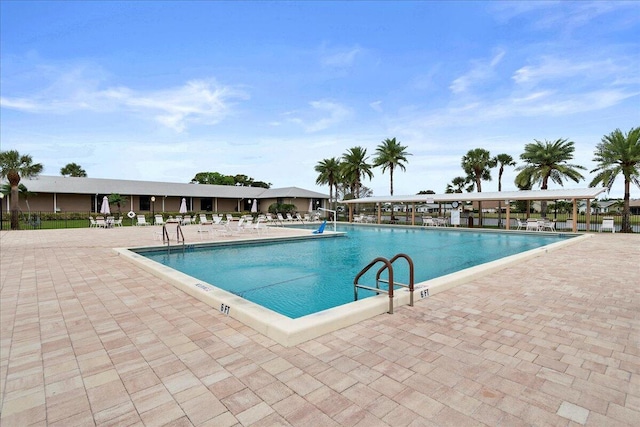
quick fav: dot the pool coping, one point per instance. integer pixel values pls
(289, 332)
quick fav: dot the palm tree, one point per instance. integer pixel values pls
(13, 166)
(477, 164)
(73, 169)
(390, 154)
(355, 167)
(457, 185)
(118, 200)
(502, 160)
(615, 154)
(548, 160)
(329, 173)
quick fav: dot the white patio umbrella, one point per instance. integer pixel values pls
(183, 206)
(104, 209)
(254, 206)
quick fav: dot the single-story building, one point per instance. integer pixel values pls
(70, 194)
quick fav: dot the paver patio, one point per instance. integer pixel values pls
(88, 338)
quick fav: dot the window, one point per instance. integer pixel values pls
(145, 203)
(206, 204)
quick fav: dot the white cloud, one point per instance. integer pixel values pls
(197, 101)
(340, 57)
(481, 71)
(550, 68)
(376, 106)
(331, 114)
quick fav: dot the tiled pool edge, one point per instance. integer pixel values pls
(289, 332)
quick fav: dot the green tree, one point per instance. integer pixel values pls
(213, 178)
(329, 174)
(477, 164)
(13, 167)
(548, 160)
(458, 184)
(355, 167)
(619, 154)
(118, 200)
(391, 154)
(501, 161)
(73, 169)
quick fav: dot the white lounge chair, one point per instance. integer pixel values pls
(158, 219)
(533, 224)
(521, 224)
(141, 220)
(607, 224)
(427, 221)
(92, 223)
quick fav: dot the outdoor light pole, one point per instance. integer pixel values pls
(153, 209)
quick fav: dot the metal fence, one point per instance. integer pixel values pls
(54, 220)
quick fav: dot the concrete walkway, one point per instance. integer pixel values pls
(88, 338)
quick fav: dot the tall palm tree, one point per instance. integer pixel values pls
(477, 164)
(548, 160)
(617, 154)
(458, 184)
(390, 154)
(329, 174)
(502, 160)
(73, 169)
(355, 167)
(13, 166)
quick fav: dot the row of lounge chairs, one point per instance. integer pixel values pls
(102, 222)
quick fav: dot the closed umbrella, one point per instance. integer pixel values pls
(104, 209)
(254, 206)
(310, 205)
(183, 206)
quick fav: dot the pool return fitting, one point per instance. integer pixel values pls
(388, 266)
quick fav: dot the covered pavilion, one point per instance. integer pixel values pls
(573, 195)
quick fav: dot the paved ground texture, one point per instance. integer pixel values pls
(88, 338)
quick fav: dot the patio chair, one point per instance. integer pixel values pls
(92, 223)
(158, 219)
(100, 222)
(532, 224)
(141, 220)
(607, 224)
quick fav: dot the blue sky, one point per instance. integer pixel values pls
(162, 90)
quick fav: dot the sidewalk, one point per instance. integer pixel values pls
(87, 338)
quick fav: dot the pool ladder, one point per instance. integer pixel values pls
(167, 241)
(387, 266)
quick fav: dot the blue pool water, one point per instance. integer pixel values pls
(300, 277)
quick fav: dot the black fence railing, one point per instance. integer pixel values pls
(563, 222)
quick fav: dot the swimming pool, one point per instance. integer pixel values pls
(301, 277)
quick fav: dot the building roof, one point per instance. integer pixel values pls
(562, 194)
(73, 185)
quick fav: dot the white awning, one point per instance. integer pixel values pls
(562, 194)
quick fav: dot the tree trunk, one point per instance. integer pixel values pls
(626, 218)
(15, 207)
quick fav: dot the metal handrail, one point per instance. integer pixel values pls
(377, 289)
(387, 265)
(411, 281)
(167, 241)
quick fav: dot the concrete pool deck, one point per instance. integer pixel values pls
(87, 338)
